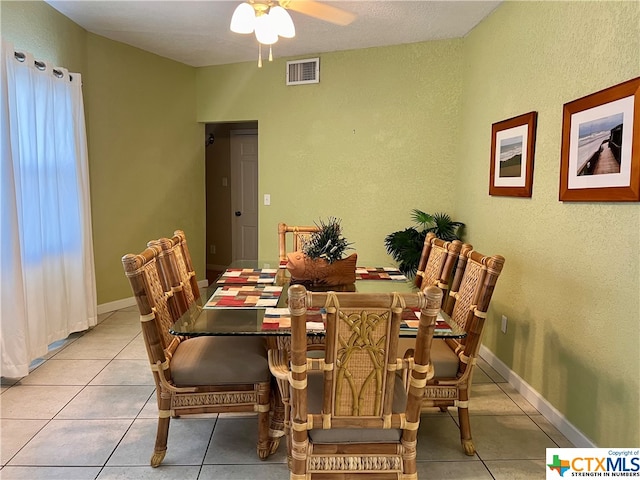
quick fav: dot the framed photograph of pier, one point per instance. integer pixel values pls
(512, 149)
(600, 157)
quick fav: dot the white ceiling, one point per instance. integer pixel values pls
(197, 32)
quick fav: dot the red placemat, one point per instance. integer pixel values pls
(245, 296)
(411, 319)
(379, 273)
(247, 276)
(280, 318)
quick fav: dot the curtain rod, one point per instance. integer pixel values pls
(21, 57)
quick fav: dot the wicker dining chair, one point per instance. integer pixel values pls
(351, 416)
(177, 273)
(454, 360)
(196, 375)
(295, 240)
(437, 262)
(436, 267)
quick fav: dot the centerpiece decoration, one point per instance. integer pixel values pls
(321, 261)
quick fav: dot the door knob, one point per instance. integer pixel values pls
(238, 213)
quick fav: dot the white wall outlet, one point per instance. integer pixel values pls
(504, 324)
(267, 199)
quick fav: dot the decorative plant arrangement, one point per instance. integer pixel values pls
(328, 243)
(405, 246)
(321, 260)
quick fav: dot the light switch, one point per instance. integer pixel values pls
(224, 181)
(267, 199)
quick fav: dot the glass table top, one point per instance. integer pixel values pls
(236, 313)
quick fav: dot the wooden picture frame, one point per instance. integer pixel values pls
(512, 151)
(600, 157)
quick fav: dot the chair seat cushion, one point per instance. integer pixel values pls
(211, 360)
(445, 361)
(355, 435)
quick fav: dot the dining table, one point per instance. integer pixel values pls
(250, 298)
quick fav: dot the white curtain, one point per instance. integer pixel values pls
(47, 288)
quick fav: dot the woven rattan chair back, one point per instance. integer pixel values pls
(153, 302)
(359, 383)
(437, 262)
(153, 278)
(180, 275)
(436, 267)
(291, 238)
(473, 285)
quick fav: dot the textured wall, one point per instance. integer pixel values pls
(146, 157)
(374, 139)
(570, 286)
(37, 28)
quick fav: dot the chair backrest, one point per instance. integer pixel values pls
(297, 235)
(437, 262)
(177, 267)
(470, 295)
(154, 303)
(360, 364)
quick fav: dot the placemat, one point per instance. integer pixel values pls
(277, 318)
(411, 320)
(247, 275)
(379, 273)
(245, 296)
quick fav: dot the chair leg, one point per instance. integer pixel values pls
(465, 425)
(264, 406)
(264, 443)
(162, 435)
(276, 430)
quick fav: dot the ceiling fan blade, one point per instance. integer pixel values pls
(320, 10)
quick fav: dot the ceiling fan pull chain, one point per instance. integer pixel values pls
(259, 55)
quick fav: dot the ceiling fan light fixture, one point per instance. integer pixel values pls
(282, 22)
(266, 32)
(243, 19)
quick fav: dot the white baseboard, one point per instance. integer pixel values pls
(548, 411)
(116, 305)
(131, 301)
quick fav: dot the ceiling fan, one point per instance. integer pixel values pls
(322, 11)
(269, 19)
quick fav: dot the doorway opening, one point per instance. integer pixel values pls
(231, 167)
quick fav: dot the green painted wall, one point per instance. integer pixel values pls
(377, 137)
(570, 287)
(146, 149)
(37, 28)
(146, 157)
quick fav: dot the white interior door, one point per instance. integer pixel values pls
(244, 188)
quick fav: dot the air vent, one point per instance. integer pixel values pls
(300, 72)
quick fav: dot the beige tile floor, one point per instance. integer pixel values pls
(87, 411)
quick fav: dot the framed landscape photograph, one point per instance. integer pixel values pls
(512, 149)
(600, 157)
